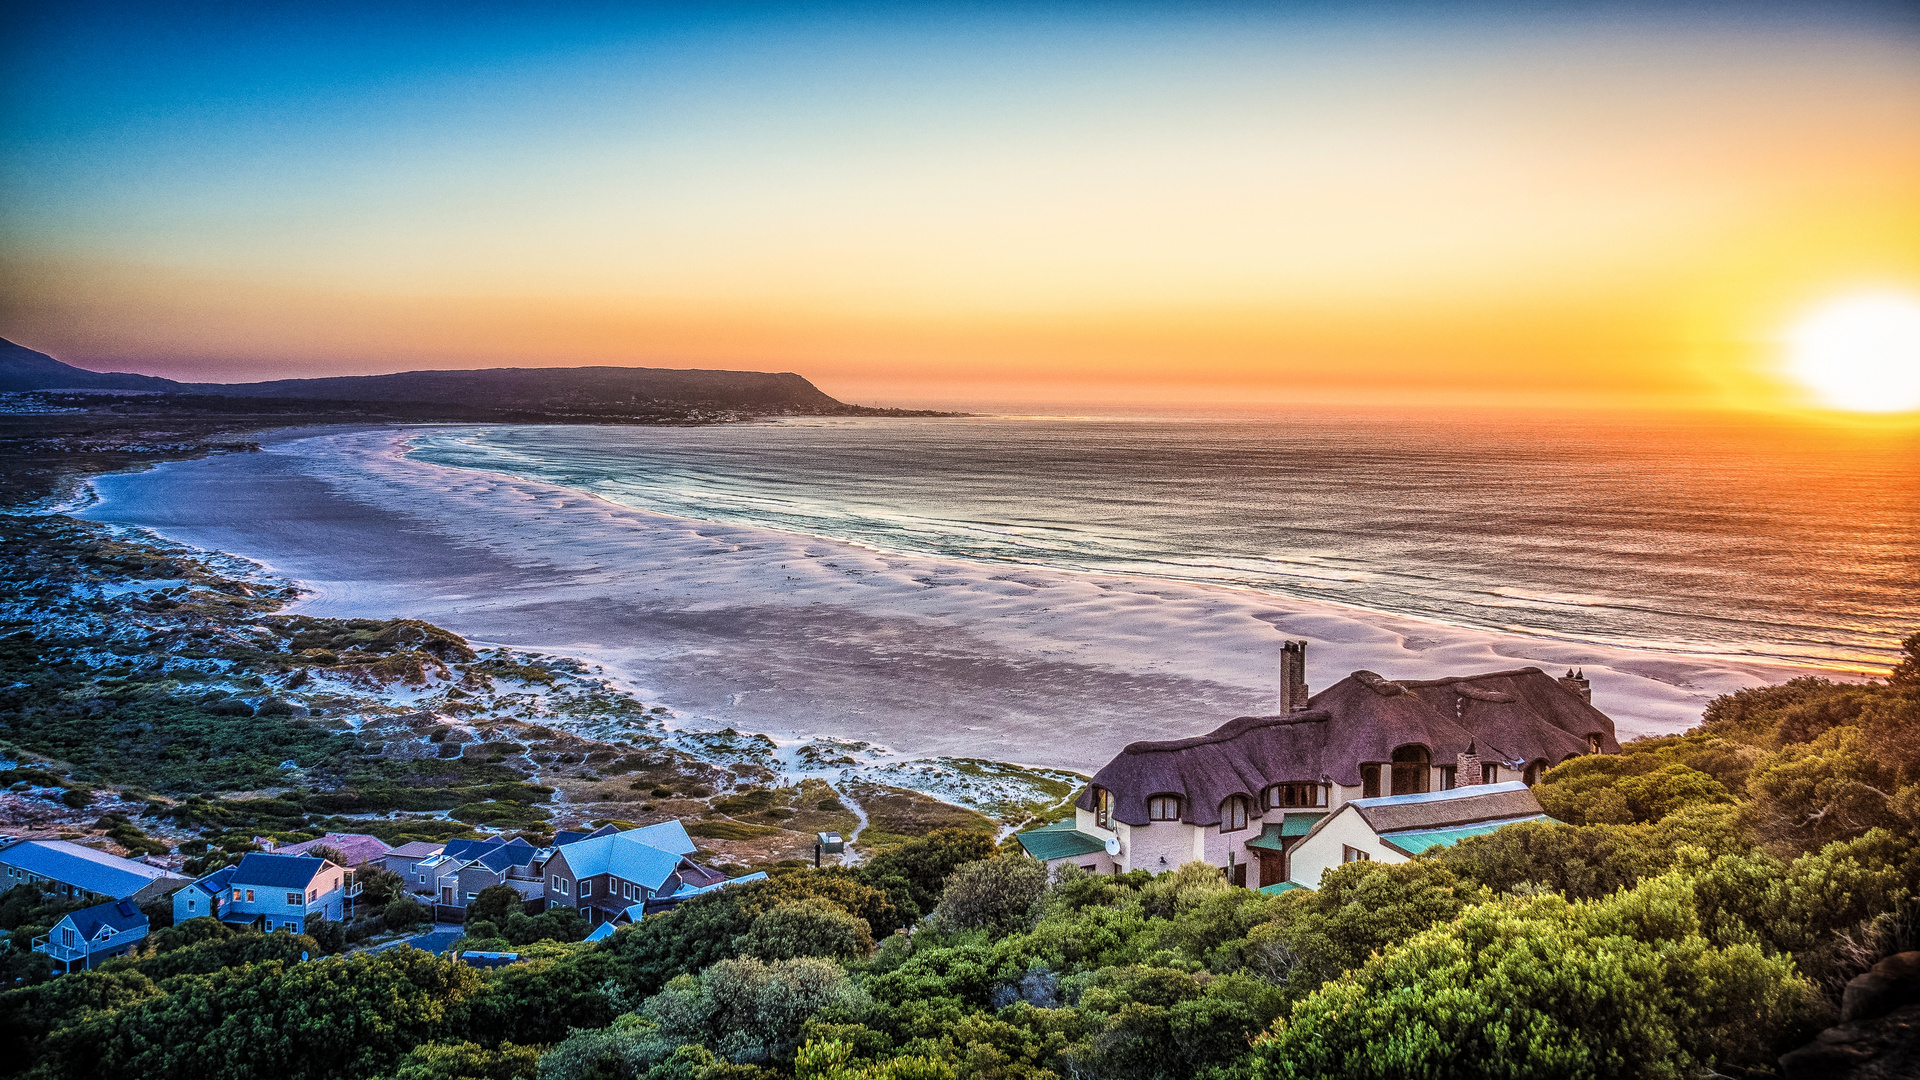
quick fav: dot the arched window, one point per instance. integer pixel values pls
(1234, 813)
(1369, 781)
(1102, 807)
(1412, 770)
(1163, 808)
(1535, 769)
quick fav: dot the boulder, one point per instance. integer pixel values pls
(1878, 1037)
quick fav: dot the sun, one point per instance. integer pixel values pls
(1859, 353)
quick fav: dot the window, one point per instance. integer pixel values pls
(1233, 814)
(236, 894)
(1489, 772)
(1349, 854)
(586, 888)
(1593, 742)
(1163, 808)
(314, 894)
(1287, 796)
(1534, 771)
(1102, 807)
(1369, 781)
(249, 896)
(560, 885)
(293, 899)
(1412, 770)
(472, 896)
(71, 937)
(1448, 778)
(190, 903)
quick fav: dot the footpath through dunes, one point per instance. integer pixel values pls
(793, 635)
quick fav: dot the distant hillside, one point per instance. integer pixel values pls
(592, 394)
(23, 369)
(549, 388)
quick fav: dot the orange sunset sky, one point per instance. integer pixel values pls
(1612, 205)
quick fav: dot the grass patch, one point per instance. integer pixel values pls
(730, 830)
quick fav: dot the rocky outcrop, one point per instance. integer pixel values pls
(1878, 1037)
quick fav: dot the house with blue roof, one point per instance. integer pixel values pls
(81, 872)
(279, 892)
(455, 875)
(203, 897)
(84, 938)
(606, 877)
(1395, 828)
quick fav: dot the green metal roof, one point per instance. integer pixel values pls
(1279, 887)
(1272, 833)
(1415, 841)
(1300, 824)
(1059, 840)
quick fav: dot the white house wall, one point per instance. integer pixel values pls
(1325, 849)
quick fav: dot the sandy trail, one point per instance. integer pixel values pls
(795, 635)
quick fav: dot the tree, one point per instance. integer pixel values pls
(404, 912)
(494, 904)
(748, 1011)
(1907, 672)
(468, 1061)
(810, 927)
(1001, 895)
(333, 1017)
(1623, 987)
(379, 887)
(923, 865)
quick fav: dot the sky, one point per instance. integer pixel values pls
(948, 204)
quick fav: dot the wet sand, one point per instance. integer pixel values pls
(792, 635)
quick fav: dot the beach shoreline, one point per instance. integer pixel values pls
(799, 636)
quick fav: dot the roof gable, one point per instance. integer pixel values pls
(625, 855)
(117, 916)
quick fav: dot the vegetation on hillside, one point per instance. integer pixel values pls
(1699, 911)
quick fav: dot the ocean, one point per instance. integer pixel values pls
(1676, 534)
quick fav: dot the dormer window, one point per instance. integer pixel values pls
(1102, 807)
(1163, 808)
(1593, 742)
(1289, 796)
(1233, 813)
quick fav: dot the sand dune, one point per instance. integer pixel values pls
(795, 635)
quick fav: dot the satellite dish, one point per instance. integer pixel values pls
(1113, 845)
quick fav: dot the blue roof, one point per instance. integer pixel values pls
(216, 883)
(115, 915)
(1415, 841)
(83, 867)
(506, 855)
(603, 931)
(1059, 840)
(624, 855)
(1279, 887)
(277, 871)
(667, 835)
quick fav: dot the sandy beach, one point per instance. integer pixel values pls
(795, 636)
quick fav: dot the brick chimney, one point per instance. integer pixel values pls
(1577, 683)
(1293, 677)
(1466, 766)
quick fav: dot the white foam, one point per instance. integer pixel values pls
(798, 635)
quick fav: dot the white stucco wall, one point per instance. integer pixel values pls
(1324, 850)
(1177, 842)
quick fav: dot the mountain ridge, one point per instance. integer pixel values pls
(593, 390)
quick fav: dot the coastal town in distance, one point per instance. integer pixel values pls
(960, 543)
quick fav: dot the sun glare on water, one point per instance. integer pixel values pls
(1859, 353)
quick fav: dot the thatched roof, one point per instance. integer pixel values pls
(1521, 715)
